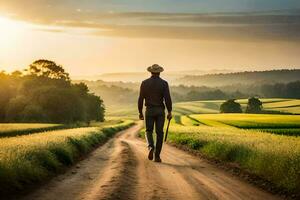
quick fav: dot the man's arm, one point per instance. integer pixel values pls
(141, 102)
(168, 100)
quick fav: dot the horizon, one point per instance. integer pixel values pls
(127, 36)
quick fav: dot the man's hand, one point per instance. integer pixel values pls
(169, 116)
(141, 116)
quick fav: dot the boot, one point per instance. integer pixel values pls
(150, 154)
(157, 159)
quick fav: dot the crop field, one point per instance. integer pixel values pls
(273, 157)
(253, 120)
(31, 158)
(187, 108)
(211, 107)
(278, 124)
(13, 129)
(283, 105)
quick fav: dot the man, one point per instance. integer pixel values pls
(156, 93)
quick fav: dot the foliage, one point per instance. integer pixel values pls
(254, 105)
(230, 106)
(289, 90)
(30, 159)
(47, 95)
(49, 69)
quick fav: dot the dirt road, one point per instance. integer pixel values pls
(120, 170)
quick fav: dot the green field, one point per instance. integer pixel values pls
(283, 105)
(211, 107)
(267, 145)
(262, 144)
(280, 124)
(29, 159)
(273, 157)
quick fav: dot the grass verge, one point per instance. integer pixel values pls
(30, 159)
(272, 157)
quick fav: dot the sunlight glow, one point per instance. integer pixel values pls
(9, 30)
(9, 26)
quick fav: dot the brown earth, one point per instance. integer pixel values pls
(120, 170)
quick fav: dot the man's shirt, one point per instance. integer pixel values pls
(156, 93)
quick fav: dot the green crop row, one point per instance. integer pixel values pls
(253, 121)
(283, 131)
(30, 159)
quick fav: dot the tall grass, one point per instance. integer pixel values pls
(273, 157)
(29, 159)
(14, 129)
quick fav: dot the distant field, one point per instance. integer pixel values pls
(13, 129)
(283, 105)
(186, 108)
(251, 121)
(210, 107)
(207, 107)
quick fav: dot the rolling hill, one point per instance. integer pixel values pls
(243, 78)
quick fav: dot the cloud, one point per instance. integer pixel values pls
(231, 26)
(271, 25)
(235, 33)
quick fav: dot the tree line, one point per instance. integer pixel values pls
(120, 93)
(247, 77)
(43, 92)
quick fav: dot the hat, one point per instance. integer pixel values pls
(155, 69)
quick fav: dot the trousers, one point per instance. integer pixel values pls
(155, 117)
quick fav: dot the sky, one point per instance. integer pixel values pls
(89, 37)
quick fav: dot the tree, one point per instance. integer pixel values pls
(47, 68)
(254, 105)
(230, 106)
(16, 73)
(46, 94)
(95, 109)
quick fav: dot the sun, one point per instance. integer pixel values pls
(7, 24)
(9, 28)
(11, 34)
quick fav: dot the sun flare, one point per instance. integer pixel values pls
(8, 24)
(9, 28)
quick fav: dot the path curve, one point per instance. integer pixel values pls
(120, 170)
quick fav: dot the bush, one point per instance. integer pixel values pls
(254, 105)
(230, 106)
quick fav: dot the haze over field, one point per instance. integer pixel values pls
(94, 37)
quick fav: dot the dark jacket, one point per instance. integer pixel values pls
(156, 93)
